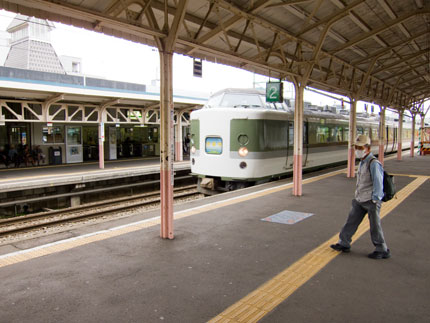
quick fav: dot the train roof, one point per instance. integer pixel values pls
(308, 111)
(238, 90)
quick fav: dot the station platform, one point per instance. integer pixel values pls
(55, 175)
(227, 265)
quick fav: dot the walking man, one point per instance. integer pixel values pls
(368, 196)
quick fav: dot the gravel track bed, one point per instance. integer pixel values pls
(113, 214)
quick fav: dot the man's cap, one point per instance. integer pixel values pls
(362, 140)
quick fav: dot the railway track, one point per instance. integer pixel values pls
(23, 224)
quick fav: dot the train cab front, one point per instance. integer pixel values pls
(210, 152)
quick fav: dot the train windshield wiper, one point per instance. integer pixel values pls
(241, 106)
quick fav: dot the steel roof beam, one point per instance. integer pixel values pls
(422, 86)
(89, 20)
(275, 28)
(230, 22)
(338, 14)
(174, 28)
(419, 3)
(376, 31)
(392, 15)
(331, 33)
(386, 50)
(359, 22)
(404, 59)
(286, 3)
(407, 70)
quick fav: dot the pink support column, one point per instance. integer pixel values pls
(381, 135)
(351, 138)
(166, 145)
(101, 145)
(166, 48)
(412, 152)
(400, 136)
(298, 139)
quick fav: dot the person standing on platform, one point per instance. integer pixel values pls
(187, 144)
(368, 199)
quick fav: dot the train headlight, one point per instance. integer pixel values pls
(243, 151)
(193, 149)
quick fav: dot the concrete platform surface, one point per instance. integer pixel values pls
(227, 265)
(52, 175)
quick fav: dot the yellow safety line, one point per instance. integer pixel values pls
(264, 299)
(409, 175)
(25, 255)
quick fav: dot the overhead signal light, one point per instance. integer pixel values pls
(197, 67)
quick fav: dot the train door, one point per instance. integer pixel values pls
(393, 148)
(305, 144)
(290, 146)
(386, 139)
(74, 153)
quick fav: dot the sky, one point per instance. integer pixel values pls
(117, 59)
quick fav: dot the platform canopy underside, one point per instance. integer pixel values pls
(371, 50)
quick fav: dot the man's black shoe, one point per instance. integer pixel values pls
(380, 254)
(339, 247)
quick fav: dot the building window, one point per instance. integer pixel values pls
(53, 135)
(76, 67)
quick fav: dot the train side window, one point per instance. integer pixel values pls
(366, 132)
(375, 134)
(336, 134)
(360, 131)
(346, 134)
(333, 134)
(279, 106)
(322, 134)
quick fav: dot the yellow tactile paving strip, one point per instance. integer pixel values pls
(24, 255)
(264, 299)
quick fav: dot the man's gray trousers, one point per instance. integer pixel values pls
(356, 215)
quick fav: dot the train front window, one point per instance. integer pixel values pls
(214, 101)
(232, 100)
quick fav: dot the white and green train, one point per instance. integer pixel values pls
(237, 139)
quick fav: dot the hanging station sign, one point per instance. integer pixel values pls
(274, 91)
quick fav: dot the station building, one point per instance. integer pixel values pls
(51, 114)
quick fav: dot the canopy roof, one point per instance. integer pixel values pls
(372, 50)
